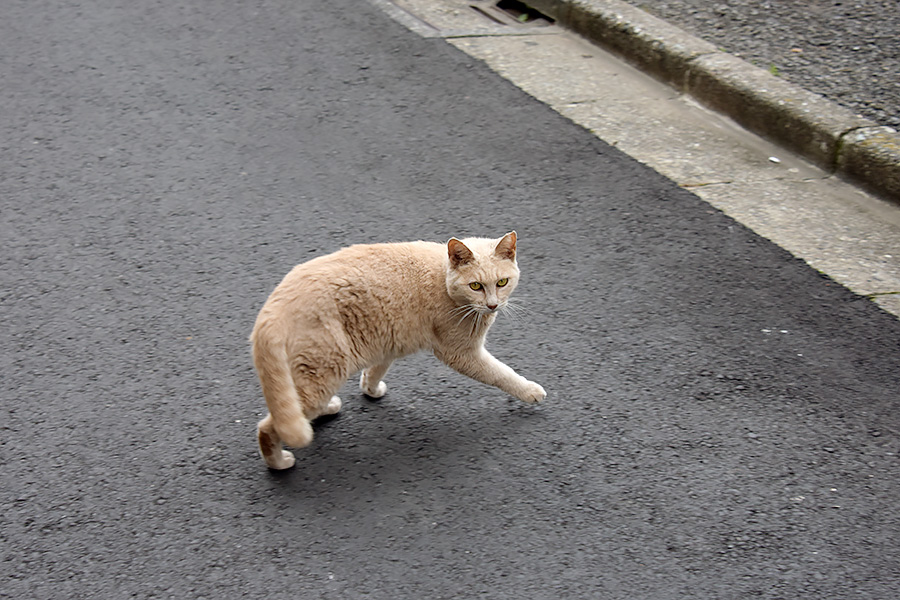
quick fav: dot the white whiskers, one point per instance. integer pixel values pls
(465, 311)
(514, 310)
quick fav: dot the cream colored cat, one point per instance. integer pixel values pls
(365, 306)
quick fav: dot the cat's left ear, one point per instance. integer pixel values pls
(507, 247)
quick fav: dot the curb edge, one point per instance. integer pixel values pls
(830, 136)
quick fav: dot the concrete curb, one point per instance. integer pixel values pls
(807, 124)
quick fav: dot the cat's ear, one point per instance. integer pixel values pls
(507, 246)
(459, 253)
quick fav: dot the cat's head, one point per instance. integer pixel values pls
(482, 273)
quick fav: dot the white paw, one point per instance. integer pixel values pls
(379, 391)
(286, 461)
(333, 406)
(532, 393)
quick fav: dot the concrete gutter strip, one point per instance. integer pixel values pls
(830, 136)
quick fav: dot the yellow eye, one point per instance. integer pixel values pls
(475, 285)
(503, 282)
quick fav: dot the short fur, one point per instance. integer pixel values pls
(367, 305)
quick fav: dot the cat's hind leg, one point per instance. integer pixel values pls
(370, 381)
(318, 392)
(270, 442)
(332, 407)
(270, 446)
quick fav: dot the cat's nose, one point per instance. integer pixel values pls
(491, 306)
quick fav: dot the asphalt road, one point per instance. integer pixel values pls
(722, 421)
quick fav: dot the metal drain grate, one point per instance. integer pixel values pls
(451, 19)
(512, 12)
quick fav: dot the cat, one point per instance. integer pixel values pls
(364, 306)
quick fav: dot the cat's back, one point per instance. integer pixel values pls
(389, 271)
(374, 261)
(381, 295)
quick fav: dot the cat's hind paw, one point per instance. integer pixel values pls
(333, 406)
(286, 460)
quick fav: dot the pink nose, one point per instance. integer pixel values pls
(492, 306)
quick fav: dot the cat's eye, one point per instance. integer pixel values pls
(503, 282)
(475, 285)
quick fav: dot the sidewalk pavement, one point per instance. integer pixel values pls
(830, 136)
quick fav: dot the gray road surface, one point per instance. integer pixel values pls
(722, 421)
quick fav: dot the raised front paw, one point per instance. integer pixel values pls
(532, 393)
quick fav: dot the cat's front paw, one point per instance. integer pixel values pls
(377, 392)
(532, 393)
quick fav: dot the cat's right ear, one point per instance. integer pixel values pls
(459, 253)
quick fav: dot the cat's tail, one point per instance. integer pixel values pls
(285, 407)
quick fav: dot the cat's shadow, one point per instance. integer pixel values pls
(382, 444)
